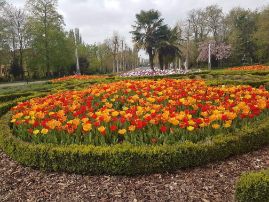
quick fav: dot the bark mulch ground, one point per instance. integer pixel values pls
(213, 182)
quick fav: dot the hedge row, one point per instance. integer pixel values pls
(127, 159)
(4, 107)
(253, 187)
(255, 84)
(12, 96)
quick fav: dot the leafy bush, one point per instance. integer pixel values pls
(253, 187)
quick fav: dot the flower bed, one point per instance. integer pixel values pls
(157, 72)
(250, 68)
(126, 159)
(143, 112)
(76, 77)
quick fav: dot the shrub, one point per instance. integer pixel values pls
(253, 187)
(8, 97)
(4, 107)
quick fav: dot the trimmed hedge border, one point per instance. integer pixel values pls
(8, 97)
(126, 159)
(5, 107)
(253, 187)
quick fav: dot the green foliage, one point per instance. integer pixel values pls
(8, 97)
(242, 24)
(253, 187)
(261, 36)
(51, 49)
(147, 31)
(168, 47)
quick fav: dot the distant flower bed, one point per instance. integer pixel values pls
(250, 68)
(164, 111)
(76, 77)
(157, 72)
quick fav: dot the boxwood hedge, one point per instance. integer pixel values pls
(127, 159)
(5, 106)
(12, 96)
(253, 187)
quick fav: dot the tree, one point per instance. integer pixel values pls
(105, 56)
(45, 24)
(219, 51)
(15, 68)
(168, 47)
(242, 26)
(214, 18)
(261, 36)
(203, 25)
(146, 32)
(4, 45)
(115, 47)
(15, 33)
(198, 24)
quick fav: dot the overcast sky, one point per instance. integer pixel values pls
(98, 19)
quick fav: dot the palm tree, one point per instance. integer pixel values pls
(146, 32)
(169, 46)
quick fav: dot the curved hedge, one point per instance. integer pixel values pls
(8, 97)
(5, 106)
(128, 159)
(253, 186)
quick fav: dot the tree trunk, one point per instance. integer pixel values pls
(14, 47)
(151, 58)
(160, 61)
(21, 58)
(21, 63)
(46, 44)
(114, 62)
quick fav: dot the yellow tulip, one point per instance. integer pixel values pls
(115, 113)
(216, 126)
(101, 129)
(122, 131)
(87, 127)
(227, 124)
(131, 128)
(35, 132)
(190, 128)
(44, 131)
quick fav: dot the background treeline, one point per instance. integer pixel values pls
(35, 44)
(240, 37)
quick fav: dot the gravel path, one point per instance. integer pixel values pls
(214, 182)
(12, 84)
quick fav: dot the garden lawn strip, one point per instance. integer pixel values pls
(213, 182)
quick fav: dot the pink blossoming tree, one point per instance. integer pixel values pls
(219, 51)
